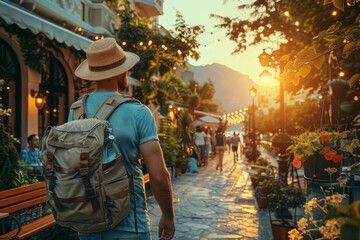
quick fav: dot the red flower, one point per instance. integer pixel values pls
(338, 158)
(329, 154)
(297, 162)
(324, 137)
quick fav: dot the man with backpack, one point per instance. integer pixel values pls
(132, 130)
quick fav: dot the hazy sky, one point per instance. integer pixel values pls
(196, 12)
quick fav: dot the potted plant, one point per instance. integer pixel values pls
(326, 217)
(261, 168)
(264, 187)
(280, 198)
(319, 150)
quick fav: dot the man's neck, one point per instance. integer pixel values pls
(107, 85)
(32, 149)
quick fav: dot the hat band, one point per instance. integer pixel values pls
(108, 67)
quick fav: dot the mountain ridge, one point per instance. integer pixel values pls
(231, 86)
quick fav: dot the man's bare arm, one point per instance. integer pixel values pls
(160, 185)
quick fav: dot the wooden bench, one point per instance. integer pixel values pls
(146, 178)
(17, 199)
(21, 198)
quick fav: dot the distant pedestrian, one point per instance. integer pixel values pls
(235, 140)
(213, 144)
(200, 144)
(207, 145)
(228, 144)
(220, 148)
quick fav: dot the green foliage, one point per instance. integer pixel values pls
(296, 33)
(183, 130)
(165, 50)
(9, 162)
(299, 116)
(10, 174)
(170, 142)
(282, 196)
(37, 50)
(310, 143)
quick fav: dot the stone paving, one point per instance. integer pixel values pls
(215, 205)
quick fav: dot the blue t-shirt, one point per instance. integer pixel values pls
(132, 124)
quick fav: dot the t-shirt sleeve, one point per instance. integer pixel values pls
(70, 115)
(23, 155)
(146, 125)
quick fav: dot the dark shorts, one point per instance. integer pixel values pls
(234, 148)
(201, 149)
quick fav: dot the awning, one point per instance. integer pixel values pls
(148, 8)
(13, 13)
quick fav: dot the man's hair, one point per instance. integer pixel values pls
(123, 84)
(30, 137)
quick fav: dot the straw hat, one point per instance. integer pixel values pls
(105, 59)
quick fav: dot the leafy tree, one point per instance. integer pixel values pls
(294, 24)
(202, 96)
(300, 116)
(160, 52)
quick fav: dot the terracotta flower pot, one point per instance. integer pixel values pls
(280, 229)
(262, 202)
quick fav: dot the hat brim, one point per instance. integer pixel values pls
(83, 71)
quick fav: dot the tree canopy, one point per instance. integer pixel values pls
(306, 32)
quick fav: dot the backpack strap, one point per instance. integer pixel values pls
(110, 104)
(78, 108)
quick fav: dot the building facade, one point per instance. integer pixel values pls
(41, 44)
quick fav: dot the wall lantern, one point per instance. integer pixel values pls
(39, 99)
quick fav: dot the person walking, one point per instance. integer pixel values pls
(220, 148)
(207, 145)
(235, 140)
(200, 139)
(135, 133)
(31, 155)
(213, 144)
(228, 144)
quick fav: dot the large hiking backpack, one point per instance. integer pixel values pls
(86, 194)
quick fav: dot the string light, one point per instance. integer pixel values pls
(334, 13)
(287, 14)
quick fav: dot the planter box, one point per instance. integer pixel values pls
(281, 228)
(314, 169)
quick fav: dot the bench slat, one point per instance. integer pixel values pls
(20, 190)
(146, 178)
(32, 228)
(21, 198)
(24, 205)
